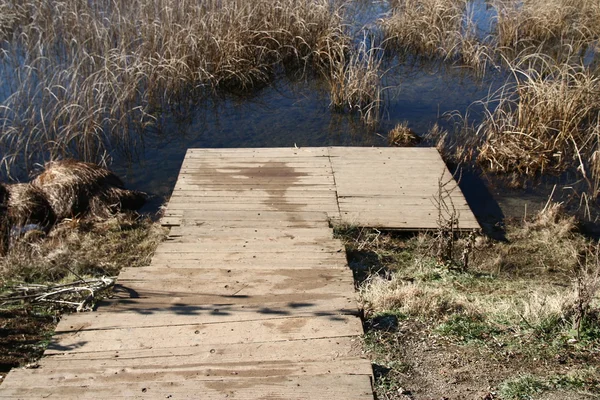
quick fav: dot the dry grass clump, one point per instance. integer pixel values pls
(355, 81)
(9, 16)
(412, 299)
(402, 135)
(543, 121)
(457, 147)
(76, 249)
(522, 24)
(88, 75)
(76, 189)
(548, 243)
(546, 249)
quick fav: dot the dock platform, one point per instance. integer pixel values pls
(250, 296)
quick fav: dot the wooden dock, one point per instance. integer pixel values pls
(251, 296)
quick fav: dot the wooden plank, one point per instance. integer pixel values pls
(267, 180)
(270, 330)
(270, 199)
(288, 246)
(212, 277)
(94, 376)
(161, 312)
(352, 152)
(409, 205)
(258, 159)
(290, 259)
(320, 349)
(373, 185)
(265, 233)
(249, 186)
(228, 166)
(254, 198)
(250, 241)
(330, 386)
(228, 283)
(265, 206)
(309, 151)
(246, 190)
(227, 195)
(259, 174)
(423, 223)
(216, 224)
(196, 264)
(256, 216)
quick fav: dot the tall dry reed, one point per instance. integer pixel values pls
(545, 119)
(355, 81)
(437, 29)
(86, 75)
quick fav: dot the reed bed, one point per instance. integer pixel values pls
(355, 81)
(437, 29)
(429, 27)
(563, 23)
(545, 120)
(88, 75)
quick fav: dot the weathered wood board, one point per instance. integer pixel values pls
(396, 188)
(250, 296)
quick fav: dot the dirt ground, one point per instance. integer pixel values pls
(428, 366)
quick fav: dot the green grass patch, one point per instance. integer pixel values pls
(467, 328)
(521, 388)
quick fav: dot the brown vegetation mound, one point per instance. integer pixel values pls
(76, 188)
(28, 205)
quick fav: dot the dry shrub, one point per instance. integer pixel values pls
(90, 74)
(76, 248)
(402, 135)
(413, 299)
(521, 24)
(586, 302)
(542, 121)
(27, 204)
(76, 188)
